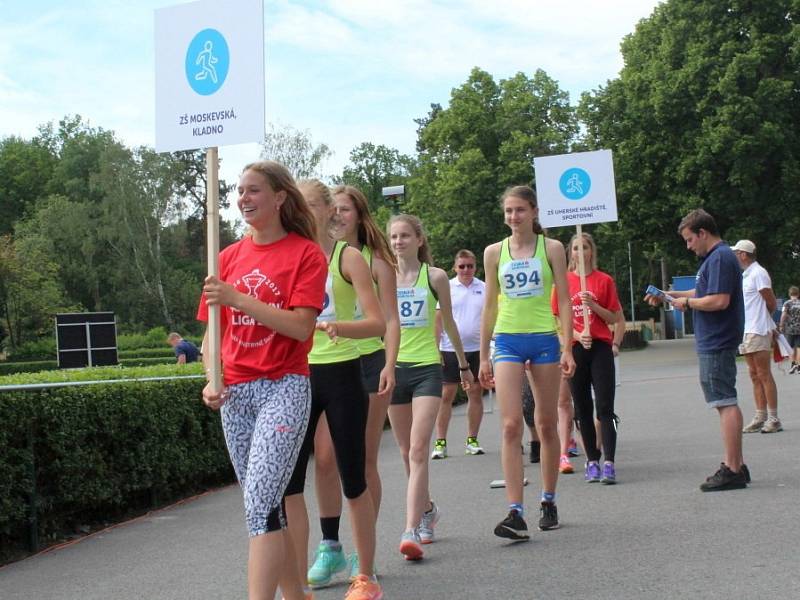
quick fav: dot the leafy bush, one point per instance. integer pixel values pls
(101, 373)
(8, 368)
(90, 453)
(44, 349)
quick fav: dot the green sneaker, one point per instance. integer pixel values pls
(327, 562)
(473, 447)
(439, 449)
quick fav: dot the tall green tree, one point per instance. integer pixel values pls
(483, 142)
(704, 114)
(26, 167)
(294, 149)
(373, 167)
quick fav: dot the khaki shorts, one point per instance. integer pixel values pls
(755, 343)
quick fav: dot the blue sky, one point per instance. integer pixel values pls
(347, 70)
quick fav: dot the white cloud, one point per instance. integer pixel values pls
(348, 70)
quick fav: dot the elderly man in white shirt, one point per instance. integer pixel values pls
(759, 331)
(467, 294)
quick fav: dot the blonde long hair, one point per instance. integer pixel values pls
(369, 234)
(572, 260)
(424, 251)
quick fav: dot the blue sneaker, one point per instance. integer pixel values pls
(327, 562)
(592, 472)
(609, 475)
(572, 450)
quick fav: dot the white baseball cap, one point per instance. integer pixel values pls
(745, 246)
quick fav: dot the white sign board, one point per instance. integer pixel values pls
(209, 74)
(575, 189)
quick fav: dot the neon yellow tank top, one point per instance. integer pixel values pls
(417, 308)
(339, 305)
(373, 344)
(526, 285)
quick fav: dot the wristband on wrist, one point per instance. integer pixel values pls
(462, 369)
(687, 302)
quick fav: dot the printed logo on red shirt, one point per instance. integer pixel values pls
(260, 286)
(577, 308)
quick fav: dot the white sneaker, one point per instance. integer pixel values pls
(428, 522)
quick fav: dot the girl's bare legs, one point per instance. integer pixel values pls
(508, 387)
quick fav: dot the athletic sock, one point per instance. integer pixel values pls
(761, 415)
(517, 507)
(330, 528)
(772, 415)
(548, 497)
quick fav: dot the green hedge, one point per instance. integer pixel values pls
(102, 450)
(49, 365)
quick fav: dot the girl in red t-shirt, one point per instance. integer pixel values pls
(594, 353)
(271, 287)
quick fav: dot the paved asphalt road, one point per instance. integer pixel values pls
(654, 535)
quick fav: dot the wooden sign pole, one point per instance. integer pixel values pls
(212, 250)
(582, 273)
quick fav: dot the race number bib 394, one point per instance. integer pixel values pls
(328, 305)
(412, 304)
(522, 278)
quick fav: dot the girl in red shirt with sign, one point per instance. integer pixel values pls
(271, 287)
(594, 353)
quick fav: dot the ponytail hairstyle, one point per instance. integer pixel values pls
(369, 234)
(294, 212)
(524, 192)
(573, 259)
(324, 192)
(424, 252)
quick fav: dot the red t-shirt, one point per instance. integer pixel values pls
(604, 291)
(288, 273)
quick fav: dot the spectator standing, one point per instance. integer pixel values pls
(790, 325)
(759, 332)
(718, 327)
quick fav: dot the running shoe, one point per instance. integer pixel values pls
(536, 448)
(592, 473)
(564, 466)
(306, 595)
(364, 588)
(439, 449)
(795, 368)
(725, 479)
(755, 425)
(572, 449)
(473, 447)
(772, 425)
(327, 562)
(745, 471)
(609, 476)
(411, 545)
(428, 522)
(549, 516)
(512, 527)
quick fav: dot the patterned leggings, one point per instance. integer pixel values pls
(264, 422)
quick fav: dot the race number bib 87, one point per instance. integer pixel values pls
(522, 278)
(412, 304)
(328, 305)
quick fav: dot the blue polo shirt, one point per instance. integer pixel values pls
(187, 348)
(719, 273)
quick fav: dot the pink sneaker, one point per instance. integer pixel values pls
(564, 466)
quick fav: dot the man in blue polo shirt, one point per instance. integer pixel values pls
(185, 351)
(718, 307)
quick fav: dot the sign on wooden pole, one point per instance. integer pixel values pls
(209, 93)
(576, 189)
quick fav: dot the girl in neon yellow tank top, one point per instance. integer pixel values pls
(523, 268)
(355, 226)
(336, 389)
(419, 373)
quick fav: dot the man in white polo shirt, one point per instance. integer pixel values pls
(466, 293)
(759, 329)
